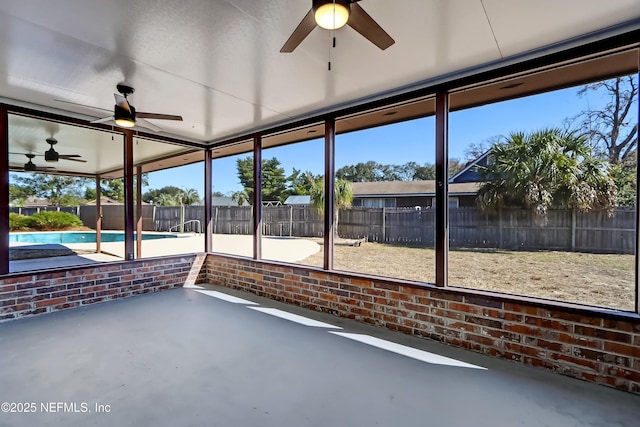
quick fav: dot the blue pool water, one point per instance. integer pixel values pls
(78, 237)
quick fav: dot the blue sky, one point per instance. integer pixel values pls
(402, 142)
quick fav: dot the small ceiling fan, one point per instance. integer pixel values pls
(51, 155)
(31, 167)
(334, 14)
(125, 115)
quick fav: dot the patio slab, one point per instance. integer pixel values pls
(184, 357)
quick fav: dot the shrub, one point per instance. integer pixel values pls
(53, 221)
(17, 221)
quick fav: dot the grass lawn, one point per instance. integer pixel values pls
(593, 279)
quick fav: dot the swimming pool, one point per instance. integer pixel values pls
(78, 237)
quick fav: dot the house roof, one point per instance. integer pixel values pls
(104, 200)
(470, 165)
(410, 188)
(223, 201)
(33, 201)
(298, 200)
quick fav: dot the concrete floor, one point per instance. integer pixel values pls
(188, 358)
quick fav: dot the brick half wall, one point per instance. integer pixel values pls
(597, 346)
(28, 294)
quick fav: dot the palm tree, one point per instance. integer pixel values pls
(343, 196)
(188, 197)
(547, 168)
(166, 199)
(241, 197)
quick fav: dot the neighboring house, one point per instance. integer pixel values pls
(298, 201)
(105, 201)
(471, 172)
(223, 201)
(34, 202)
(409, 194)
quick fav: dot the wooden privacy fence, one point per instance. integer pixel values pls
(511, 229)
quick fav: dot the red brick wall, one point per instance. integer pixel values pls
(28, 294)
(601, 347)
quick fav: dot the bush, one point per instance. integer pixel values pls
(18, 222)
(53, 221)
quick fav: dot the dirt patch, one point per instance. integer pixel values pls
(594, 279)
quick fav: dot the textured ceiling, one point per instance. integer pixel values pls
(217, 62)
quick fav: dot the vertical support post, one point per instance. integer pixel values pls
(139, 212)
(98, 214)
(329, 188)
(637, 207)
(4, 190)
(442, 190)
(208, 209)
(128, 196)
(257, 197)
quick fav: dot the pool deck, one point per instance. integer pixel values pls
(282, 249)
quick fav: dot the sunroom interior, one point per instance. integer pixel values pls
(561, 296)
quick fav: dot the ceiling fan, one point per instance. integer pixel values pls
(334, 14)
(51, 155)
(31, 167)
(125, 115)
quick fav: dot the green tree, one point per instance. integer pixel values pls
(274, 181)
(55, 188)
(300, 183)
(151, 196)
(188, 196)
(166, 199)
(544, 169)
(18, 193)
(360, 172)
(241, 197)
(343, 196)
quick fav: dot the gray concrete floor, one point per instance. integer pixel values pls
(183, 358)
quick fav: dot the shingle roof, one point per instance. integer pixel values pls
(410, 188)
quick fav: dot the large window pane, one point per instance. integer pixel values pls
(292, 225)
(387, 227)
(172, 198)
(553, 177)
(232, 203)
(53, 215)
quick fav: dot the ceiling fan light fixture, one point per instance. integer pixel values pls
(124, 118)
(51, 155)
(330, 14)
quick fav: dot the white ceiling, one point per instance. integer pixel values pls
(217, 62)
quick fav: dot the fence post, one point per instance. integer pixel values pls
(290, 220)
(573, 230)
(384, 225)
(181, 227)
(500, 237)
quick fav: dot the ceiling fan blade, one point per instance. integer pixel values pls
(122, 102)
(73, 159)
(103, 120)
(360, 21)
(146, 124)
(141, 115)
(81, 105)
(303, 29)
